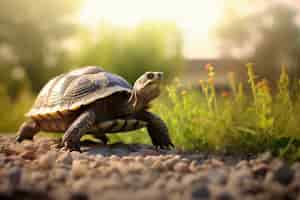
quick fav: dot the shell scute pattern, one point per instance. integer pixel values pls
(71, 90)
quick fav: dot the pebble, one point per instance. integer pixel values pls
(77, 155)
(47, 160)
(194, 167)
(114, 158)
(79, 168)
(199, 192)
(181, 167)
(171, 162)
(79, 196)
(283, 174)
(132, 172)
(59, 174)
(224, 195)
(28, 155)
(14, 175)
(260, 170)
(65, 158)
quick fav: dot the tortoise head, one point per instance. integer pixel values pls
(146, 88)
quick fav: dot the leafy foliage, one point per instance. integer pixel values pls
(131, 52)
(31, 36)
(269, 36)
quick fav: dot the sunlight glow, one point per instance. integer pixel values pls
(187, 14)
(193, 17)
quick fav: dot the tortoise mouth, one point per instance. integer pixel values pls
(153, 82)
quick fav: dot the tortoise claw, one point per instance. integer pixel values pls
(20, 138)
(67, 146)
(168, 146)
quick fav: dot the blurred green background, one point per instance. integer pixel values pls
(40, 39)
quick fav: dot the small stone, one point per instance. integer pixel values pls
(79, 168)
(199, 192)
(193, 167)
(224, 195)
(44, 146)
(59, 174)
(28, 155)
(65, 158)
(135, 154)
(139, 158)
(114, 158)
(29, 145)
(38, 176)
(217, 177)
(47, 161)
(173, 185)
(171, 162)
(216, 163)
(265, 157)
(14, 175)
(79, 196)
(157, 165)
(159, 184)
(181, 167)
(241, 179)
(148, 152)
(77, 155)
(99, 157)
(177, 157)
(127, 159)
(243, 164)
(260, 170)
(284, 174)
(81, 185)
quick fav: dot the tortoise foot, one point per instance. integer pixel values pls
(67, 146)
(20, 138)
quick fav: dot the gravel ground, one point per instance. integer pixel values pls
(39, 170)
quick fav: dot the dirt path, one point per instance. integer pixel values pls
(38, 170)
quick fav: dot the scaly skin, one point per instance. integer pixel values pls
(27, 131)
(157, 129)
(71, 138)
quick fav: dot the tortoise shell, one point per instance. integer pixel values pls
(70, 91)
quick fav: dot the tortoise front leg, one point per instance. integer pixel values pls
(157, 129)
(83, 123)
(27, 131)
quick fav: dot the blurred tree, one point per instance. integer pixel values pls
(30, 39)
(131, 52)
(268, 35)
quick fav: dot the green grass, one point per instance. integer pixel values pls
(263, 119)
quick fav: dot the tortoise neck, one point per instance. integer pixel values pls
(138, 101)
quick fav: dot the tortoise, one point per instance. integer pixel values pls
(90, 100)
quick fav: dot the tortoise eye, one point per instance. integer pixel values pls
(150, 76)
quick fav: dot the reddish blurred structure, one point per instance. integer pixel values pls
(195, 70)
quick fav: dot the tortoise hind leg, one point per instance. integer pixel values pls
(27, 131)
(157, 130)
